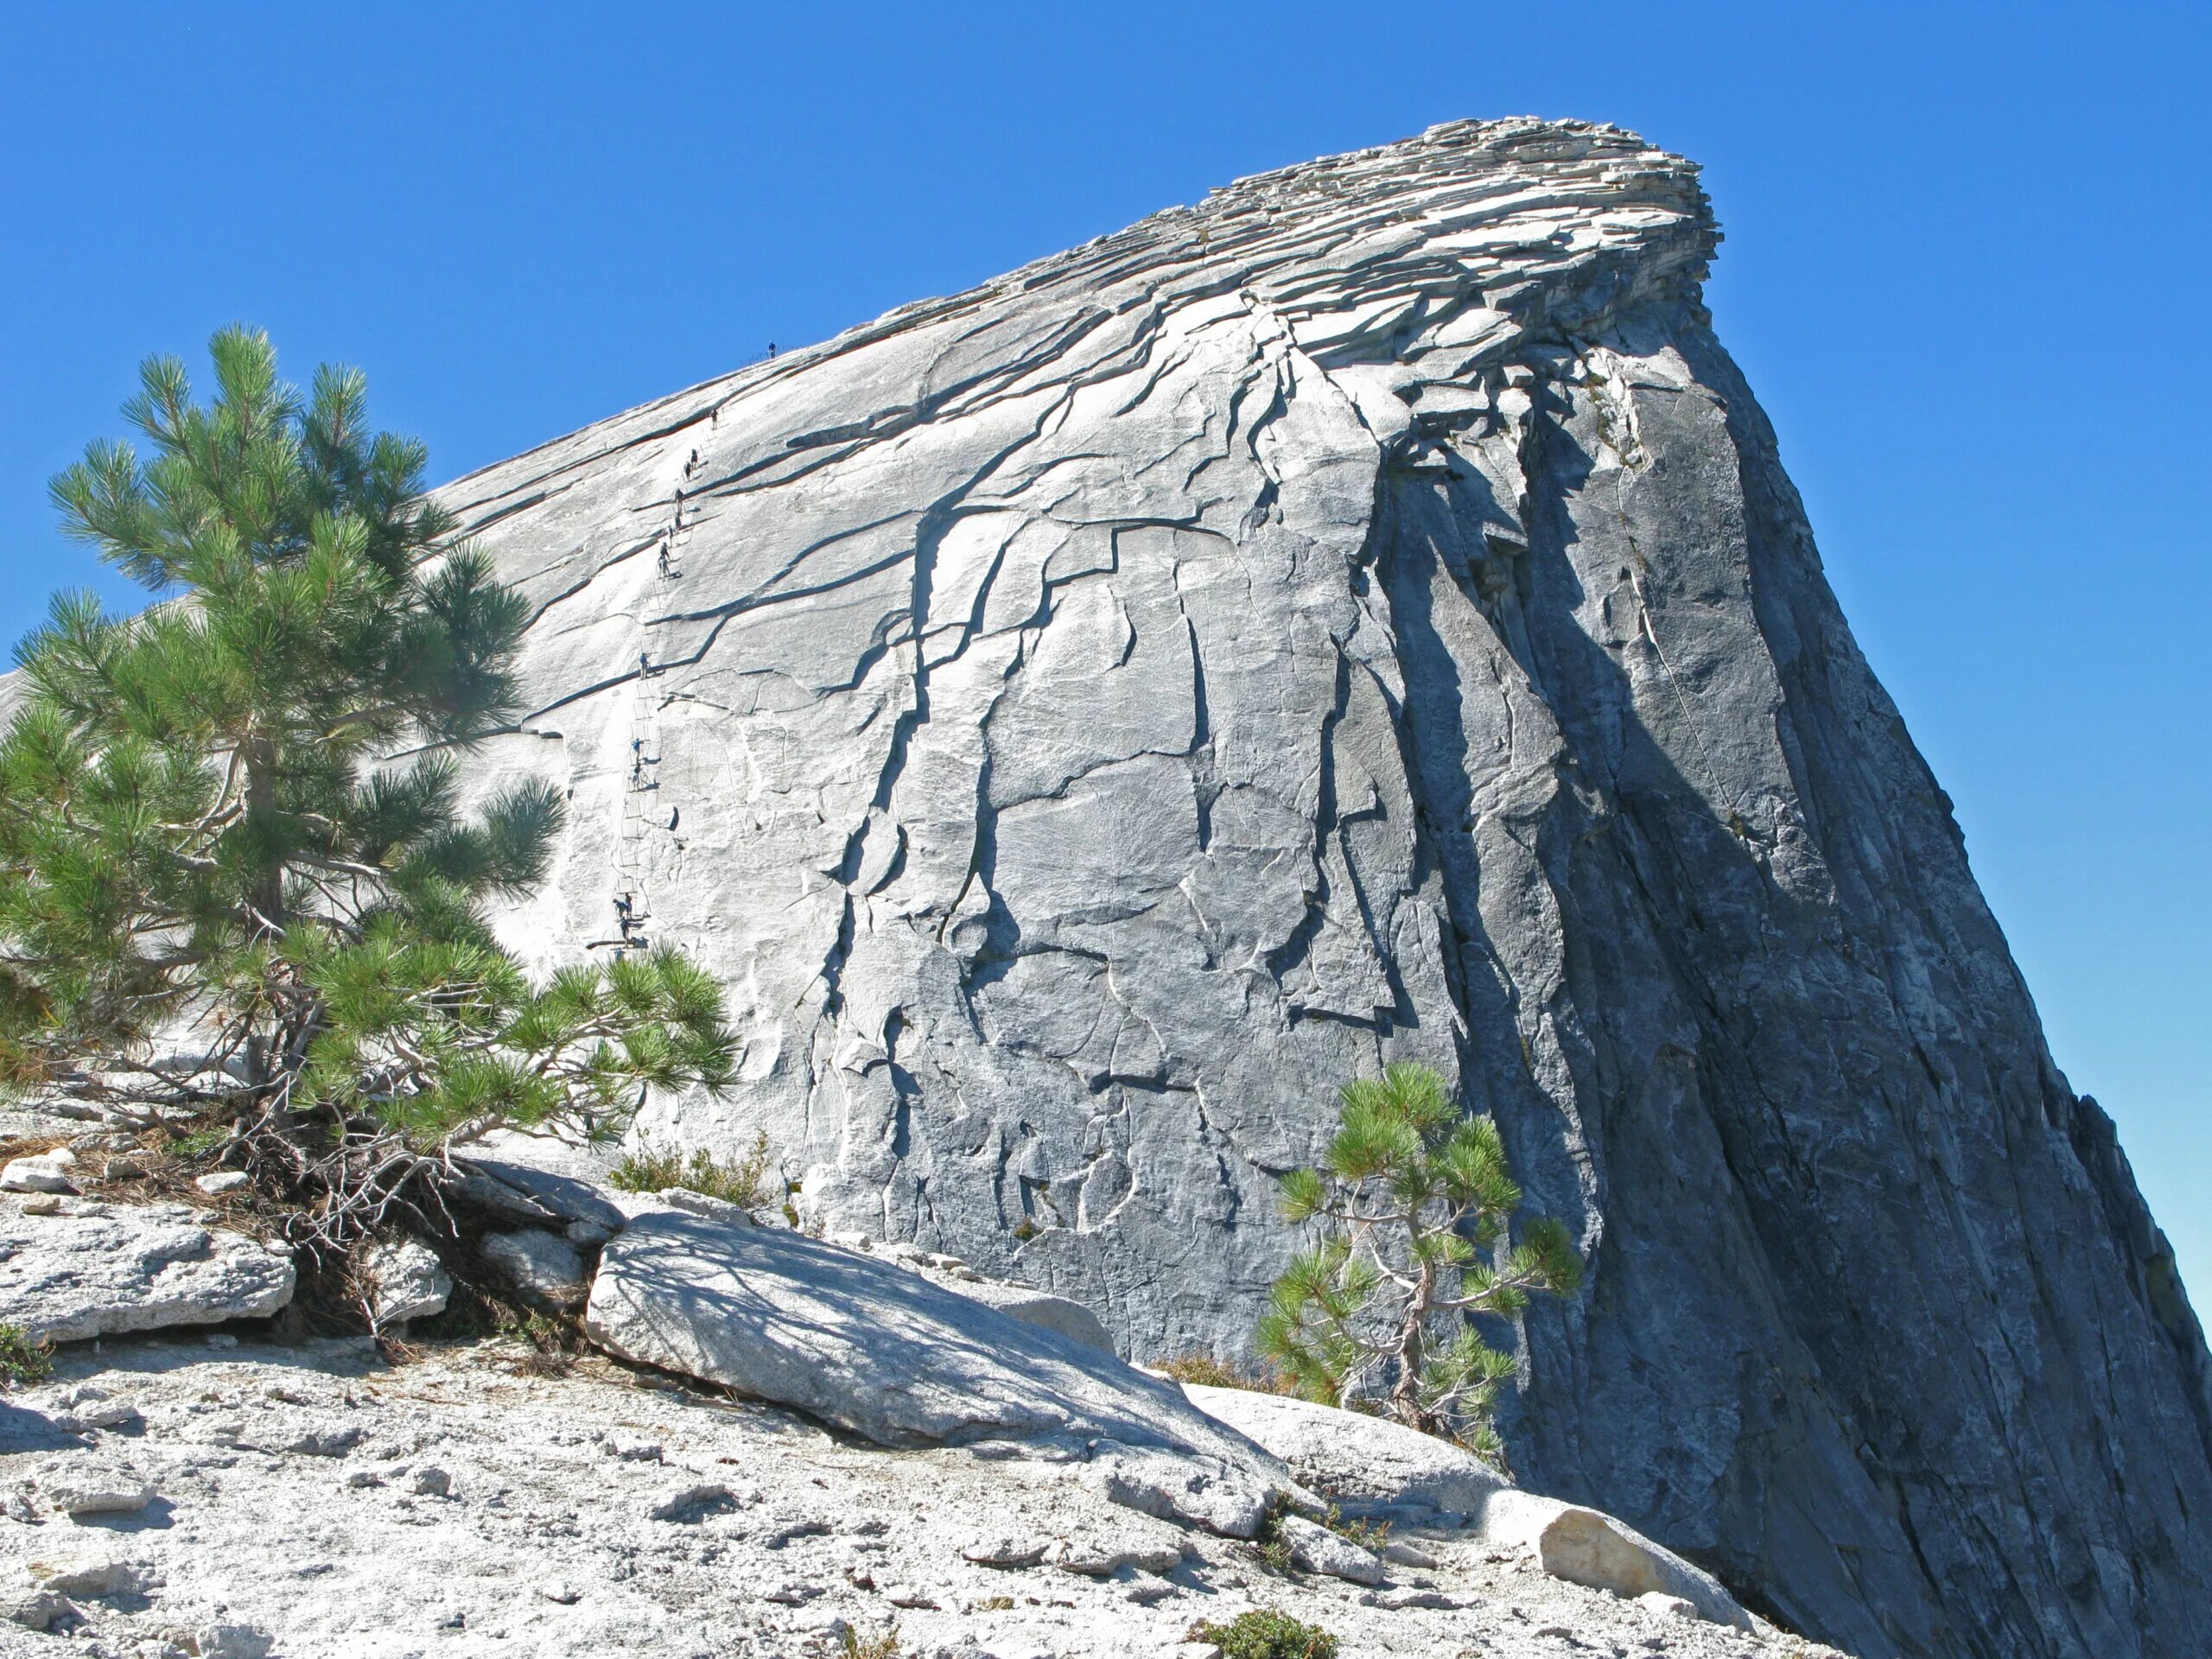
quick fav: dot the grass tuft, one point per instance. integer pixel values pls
(854, 1645)
(1207, 1372)
(21, 1360)
(745, 1182)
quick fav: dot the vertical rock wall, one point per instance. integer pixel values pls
(1363, 617)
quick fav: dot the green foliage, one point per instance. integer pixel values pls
(745, 1182)
(1416, 1203)
(201, 1141)
(883, 1645)
(1271, 1549)
(21, 1360)
(1366, 1533)
(1263, 1633)
(235, 821)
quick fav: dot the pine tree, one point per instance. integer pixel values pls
(231, 824)
(1413, 1198)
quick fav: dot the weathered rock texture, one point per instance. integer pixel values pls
(1368, 1460)
(324, 1505)
(887, 1353)
(102, 1270)
(1363, 617)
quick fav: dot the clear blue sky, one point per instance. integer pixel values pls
(1965, 269)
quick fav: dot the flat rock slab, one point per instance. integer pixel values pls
(119, 1269)
(874, 1348)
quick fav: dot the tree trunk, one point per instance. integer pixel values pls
(1405, 1391)
(266, 892)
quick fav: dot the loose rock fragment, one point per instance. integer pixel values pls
(1204, 1492)
(1005, 1552)
(79, 1489)
(34, 1609)
(87, 1575)
(45, 1171)
(692, 1502)
(234, 1641)
(1317, 1549)
(405, 1281)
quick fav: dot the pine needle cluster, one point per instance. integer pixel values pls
(239, 881)
(1416, 1203)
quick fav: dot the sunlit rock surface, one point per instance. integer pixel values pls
(1363, 617)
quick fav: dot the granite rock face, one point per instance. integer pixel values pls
(1363, 617)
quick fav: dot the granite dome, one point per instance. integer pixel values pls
(1363, 617)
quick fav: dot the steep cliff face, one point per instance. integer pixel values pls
(1363, 617)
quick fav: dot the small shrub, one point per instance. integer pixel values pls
(1207, 1372)
(1366, 1534)
(1271, 1549)
(854, 1645)
(202, 1142)
(21, 1360)
(652, 1169)
(1263, 1633)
